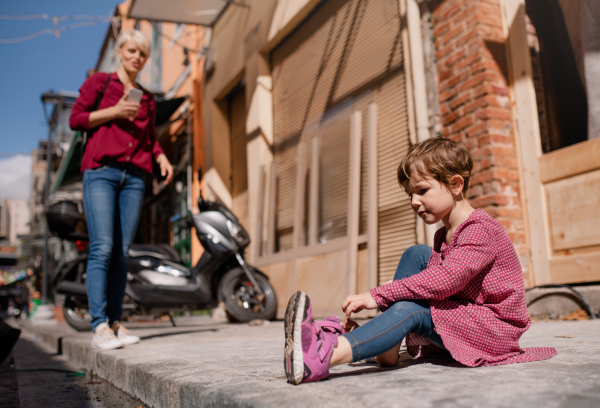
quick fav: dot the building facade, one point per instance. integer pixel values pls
(14, 220)
(309, 106)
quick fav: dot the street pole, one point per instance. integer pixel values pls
(46, 194)
(51, 126)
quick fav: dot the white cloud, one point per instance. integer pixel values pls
(15, 173)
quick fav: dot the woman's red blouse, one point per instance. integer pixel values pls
(475, 290)
(120, 139)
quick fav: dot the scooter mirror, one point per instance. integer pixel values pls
(199, 173)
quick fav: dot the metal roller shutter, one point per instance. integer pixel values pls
(343, 50)
(396, 218)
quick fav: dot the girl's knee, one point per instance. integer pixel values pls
(418, 251)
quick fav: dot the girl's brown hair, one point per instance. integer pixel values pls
(439, 158)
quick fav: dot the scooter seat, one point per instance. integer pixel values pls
(162, 250)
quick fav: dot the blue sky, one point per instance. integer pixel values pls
(28, 69)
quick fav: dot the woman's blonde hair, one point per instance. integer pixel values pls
(438, 158)
(138, 38)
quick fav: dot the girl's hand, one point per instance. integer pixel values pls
(166, 170)
(124, 109)
(350, 325)
(356, 303)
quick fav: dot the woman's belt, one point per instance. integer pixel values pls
(128, 167)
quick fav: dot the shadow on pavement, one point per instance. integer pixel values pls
(151, 336)
(404, 361)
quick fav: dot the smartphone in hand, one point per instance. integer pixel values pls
(135, 95)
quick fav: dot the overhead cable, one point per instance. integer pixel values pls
(55, 31)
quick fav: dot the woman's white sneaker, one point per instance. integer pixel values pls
(105, 339)
(123, 334)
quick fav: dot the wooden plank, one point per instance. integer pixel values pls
(373, 221)
(570, 161)
(326, 292)
(412, 128)
(272, 211)
(574, 215)
(528, 137)
(299, 196)
(576, 268)
(354, 199)
(313, 209)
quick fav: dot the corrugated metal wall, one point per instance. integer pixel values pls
(345, 53)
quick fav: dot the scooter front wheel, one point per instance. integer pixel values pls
(243, 304)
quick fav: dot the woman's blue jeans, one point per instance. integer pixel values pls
(113, 201)
(388, 329)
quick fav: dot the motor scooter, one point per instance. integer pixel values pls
(158, 282)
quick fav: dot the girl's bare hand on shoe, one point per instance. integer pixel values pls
(356, 303)
(350, 325)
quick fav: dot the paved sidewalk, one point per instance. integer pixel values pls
(202, 364)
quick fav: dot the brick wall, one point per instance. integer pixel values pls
(475, 107)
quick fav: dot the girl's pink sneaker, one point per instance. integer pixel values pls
(308, 348)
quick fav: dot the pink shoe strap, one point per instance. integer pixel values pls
(331, 324)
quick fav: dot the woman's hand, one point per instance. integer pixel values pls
(124, 109)
(166, 170)
(356, 303)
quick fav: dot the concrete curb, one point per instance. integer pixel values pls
(208, 365)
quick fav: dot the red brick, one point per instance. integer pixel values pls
(486, 163)
(442, 52)
(444, 109)
(441, 29)
(496, 138)
(485, 139)
(471, 83)
(448, 12)
(497, 124)
(484, 65)
(450, 118)
(493, 113)
(513, 175)
(469, 144)
(483, 89)
(452, 59)
(460, 100)
(500, 90)
(445, 74)
(467, 36)
(474, 191)
(482, 103)
(472, 58)
(462, 123)
(478, 154)
(452, 82)
(503, 151)
(464, 13)
(479, 127)
(446, 94)
(482, 18)
(452, 34)
(456, 138)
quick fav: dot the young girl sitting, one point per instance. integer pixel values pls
(465, 296)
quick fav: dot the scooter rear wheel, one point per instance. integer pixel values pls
(234, 291)
(77, 318)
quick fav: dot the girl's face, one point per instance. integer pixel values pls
(430, 199)
(132, 58)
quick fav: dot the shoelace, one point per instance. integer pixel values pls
(119, 328)
(106, 333)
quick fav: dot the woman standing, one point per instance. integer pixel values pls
(113, 165)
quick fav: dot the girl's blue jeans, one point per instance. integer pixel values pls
(113, 201)
(388, 329)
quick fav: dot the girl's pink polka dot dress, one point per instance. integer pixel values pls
(475, 289)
